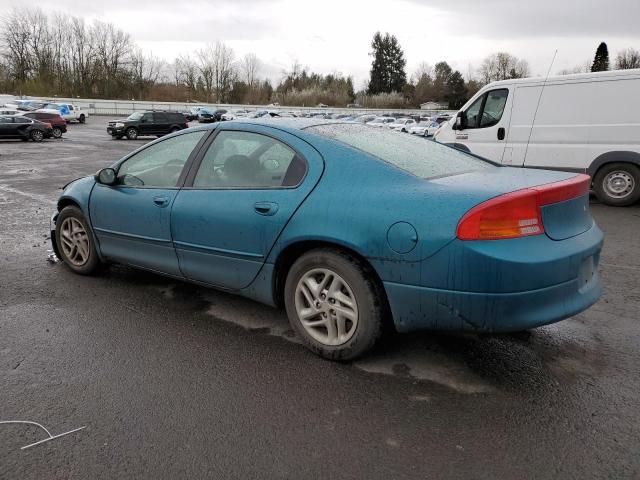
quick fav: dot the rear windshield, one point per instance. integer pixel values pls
(420, 157)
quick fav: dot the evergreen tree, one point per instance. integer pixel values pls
(387, 69)
(456, 91)
(601, 60)
(442, 73)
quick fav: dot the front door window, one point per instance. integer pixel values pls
(160, 164)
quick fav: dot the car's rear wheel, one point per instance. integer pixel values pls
(174, 130)
(333, 304)
(75, 242)
(131, 133)
(82, 119)
(56, 132)
(36, 135)
(618, 184)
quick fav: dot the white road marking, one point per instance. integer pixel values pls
(32, 196)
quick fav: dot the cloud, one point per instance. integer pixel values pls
(559, 18)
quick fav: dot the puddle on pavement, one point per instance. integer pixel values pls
(429, 366)
(467, 364)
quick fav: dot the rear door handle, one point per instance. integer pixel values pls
(161, 201)
(265, 208)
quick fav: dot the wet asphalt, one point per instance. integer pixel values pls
(172, 380)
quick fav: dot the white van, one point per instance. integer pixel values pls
(588, 123)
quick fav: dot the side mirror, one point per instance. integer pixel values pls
(461, 121)
(106, 176)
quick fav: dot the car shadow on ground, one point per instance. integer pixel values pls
(467, 363)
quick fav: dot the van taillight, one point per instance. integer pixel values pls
(517, 214)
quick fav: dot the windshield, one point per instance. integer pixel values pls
(135, 116)
(424, 159)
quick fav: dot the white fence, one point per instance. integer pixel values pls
(125, 107)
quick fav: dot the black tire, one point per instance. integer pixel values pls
(82, 119)
(174, 130)
(56, 132)
(369, 298)
(627, 172)
(36, 135)
(131, 133)
(92, 264)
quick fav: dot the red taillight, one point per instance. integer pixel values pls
(517, 214)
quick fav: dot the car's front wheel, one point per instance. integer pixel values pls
(75, 241)
(131, 133)
(333, 304)
(82, 119)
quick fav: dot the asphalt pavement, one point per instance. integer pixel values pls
(172, 380)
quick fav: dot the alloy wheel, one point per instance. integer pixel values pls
(74, 241)
(326, 307)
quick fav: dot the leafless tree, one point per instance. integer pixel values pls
(424, 70)
(250, 66)
(628, 58)
(189, 73)
(501, 66)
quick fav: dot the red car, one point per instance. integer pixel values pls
(58, 124)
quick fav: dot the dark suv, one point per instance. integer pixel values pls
(147, 123)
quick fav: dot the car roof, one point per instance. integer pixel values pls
(290, 123)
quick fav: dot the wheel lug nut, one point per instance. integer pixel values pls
(324, 314)
(332, 300)
(323, 296)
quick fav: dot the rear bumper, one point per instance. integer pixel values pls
(418, 308)
(527, 284)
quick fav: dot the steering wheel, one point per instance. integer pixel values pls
(128, 179)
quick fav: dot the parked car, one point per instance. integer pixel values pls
(580, 123)
(402, 124)
(364, 118)
(381, 121)
(67, 111)
(192, 113)
(424, 129)
(17, 126)
(259, 210)
(29, 105)
(156, 123)
(9, 111)
(58, 124)
(207, 116)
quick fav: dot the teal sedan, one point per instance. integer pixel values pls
(350, 228)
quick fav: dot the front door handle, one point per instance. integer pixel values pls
(501, 133)
(161, 201)
(265, 208)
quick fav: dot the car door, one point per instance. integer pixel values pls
(487, 122)
(131, 219)
(247, 185)
(160, 123)
(6, 127)
(145, 125)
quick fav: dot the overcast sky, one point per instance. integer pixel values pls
(335, 35)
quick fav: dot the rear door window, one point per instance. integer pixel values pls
(249, 160)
